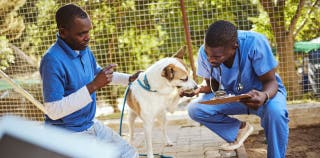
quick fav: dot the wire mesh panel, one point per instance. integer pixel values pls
(136, 33)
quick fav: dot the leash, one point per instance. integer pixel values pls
(123, 105)
(121, 118)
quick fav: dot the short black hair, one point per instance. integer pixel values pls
(221, 33)
(67, 13)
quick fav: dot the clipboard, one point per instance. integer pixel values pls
(225, 99)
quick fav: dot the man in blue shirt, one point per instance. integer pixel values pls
(240, 62)
(70, 77)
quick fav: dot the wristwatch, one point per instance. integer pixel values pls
(267, 99)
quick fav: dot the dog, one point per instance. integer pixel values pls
(155, 92)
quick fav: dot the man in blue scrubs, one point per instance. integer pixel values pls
(71, 77)
(240, 62)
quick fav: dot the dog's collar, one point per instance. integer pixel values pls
(145, 85)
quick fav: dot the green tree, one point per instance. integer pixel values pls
(284, 22)
(40, 27)
(11, 28)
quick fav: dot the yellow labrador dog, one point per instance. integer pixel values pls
(155, 91)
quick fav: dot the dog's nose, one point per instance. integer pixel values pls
(195, 87)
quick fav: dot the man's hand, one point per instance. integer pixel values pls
(134, 76)
(103, 78)
(256, 100)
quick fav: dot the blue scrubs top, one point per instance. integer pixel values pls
(64, 71)
(256, 59)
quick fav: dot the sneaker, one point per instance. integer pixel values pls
(242, 136)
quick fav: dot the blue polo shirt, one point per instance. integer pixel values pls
(256, 59)
(64, 71)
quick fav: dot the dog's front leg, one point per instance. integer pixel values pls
(163, 124)
(148, 124)
(131, 118)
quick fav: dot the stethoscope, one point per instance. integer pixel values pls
(221, 91)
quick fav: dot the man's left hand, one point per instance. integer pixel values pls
(256, 100)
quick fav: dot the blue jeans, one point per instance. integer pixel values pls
(273, 115)
(106, 134)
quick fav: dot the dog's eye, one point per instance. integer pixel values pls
(184, 79)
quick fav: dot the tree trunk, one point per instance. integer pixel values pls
(286, 67)
(284, 40)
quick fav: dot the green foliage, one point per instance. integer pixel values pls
(6, 53)
(202, 13)
(40, 34)
(11, 28)
(262, 23)
(310, 30)
(140, 39)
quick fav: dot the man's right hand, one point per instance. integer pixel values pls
(103, 78)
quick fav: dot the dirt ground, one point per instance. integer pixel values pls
(304, 142)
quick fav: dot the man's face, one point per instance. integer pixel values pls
(218, 55)
(77, 34)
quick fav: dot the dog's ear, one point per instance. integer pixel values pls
(180, 52)
(168, 72)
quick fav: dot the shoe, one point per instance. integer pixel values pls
(243, 134)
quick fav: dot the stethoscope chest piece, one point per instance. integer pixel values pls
(239, 87)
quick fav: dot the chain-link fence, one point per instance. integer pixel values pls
(135, 33)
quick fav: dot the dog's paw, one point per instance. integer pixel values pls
(187, 93)
(169, 144)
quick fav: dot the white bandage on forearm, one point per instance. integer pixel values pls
(119, 78)
(68, 105)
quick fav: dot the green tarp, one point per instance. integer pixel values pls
(307, 46)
